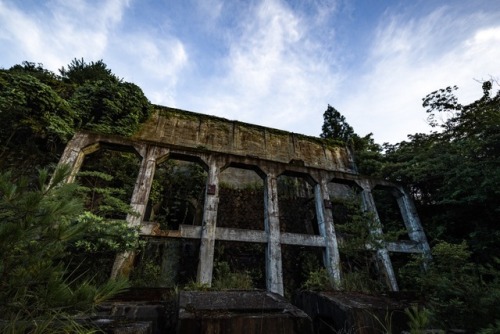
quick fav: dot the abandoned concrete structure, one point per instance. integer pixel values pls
(218, 144)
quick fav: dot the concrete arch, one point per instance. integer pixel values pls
(217, 144)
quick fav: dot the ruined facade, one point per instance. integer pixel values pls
(218, 144)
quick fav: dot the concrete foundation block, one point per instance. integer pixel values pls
(246, 312)
(352, 312)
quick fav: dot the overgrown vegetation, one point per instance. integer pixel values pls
(459, 293)
(38, 230)
(454, 178)
(55, 239)
(52, 251)
(41, 110)
(177, 194)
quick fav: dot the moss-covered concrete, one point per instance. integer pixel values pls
(188, 129)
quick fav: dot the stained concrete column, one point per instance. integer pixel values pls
(207, 245)
(124, 261)
(75, 151)
(274, 272)
(382, 252)
(331, 255)
(412, 221)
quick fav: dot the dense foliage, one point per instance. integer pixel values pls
(39, 225)
(48, 245)
(40, 111)
(453, 173)
(460, 293)
(454, 176)
(52, 251)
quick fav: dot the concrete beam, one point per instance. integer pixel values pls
(75, 151)
(404, 246)
(302, 239)
(191, 130)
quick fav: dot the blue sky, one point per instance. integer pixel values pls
(272, 62)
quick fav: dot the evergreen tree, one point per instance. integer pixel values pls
(37, 294)
(335, 126)
(367, 154)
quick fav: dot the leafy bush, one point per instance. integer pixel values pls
(226, 280)
(318, 280)
(103, 236)
(459, 293)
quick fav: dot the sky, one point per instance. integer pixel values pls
(274, 63)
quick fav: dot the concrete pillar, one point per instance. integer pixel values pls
(274, 273)
(75, 151)
(331, 255)
(412, 221)
(382, 252)
(124, 261)
(207, 245)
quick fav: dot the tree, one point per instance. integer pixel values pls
(79, 72)
(367, 154)
(111, 107)
(40, 111)
(453, 173)
(37, 294)
(104, 102)
(335, 126)
(35, 121)
(458, 292)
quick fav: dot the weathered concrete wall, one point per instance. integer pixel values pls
(218, 144)
(189, 129)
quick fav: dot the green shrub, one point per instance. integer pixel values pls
(226, 280)
(318, 280)
(459, 293)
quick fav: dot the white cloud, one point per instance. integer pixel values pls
(411, 58)
(16, 27)
(271, 62)
(60, 31)
(157, 65)
(275, 74)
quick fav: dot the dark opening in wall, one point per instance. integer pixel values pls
(389, 213)
(165, 262)
(296, 205)
(239, 265)
(299, 262)
(177, 194)
(399, 262)
(107, 178)
(353, 225)
(241, 199)
(361, 271)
